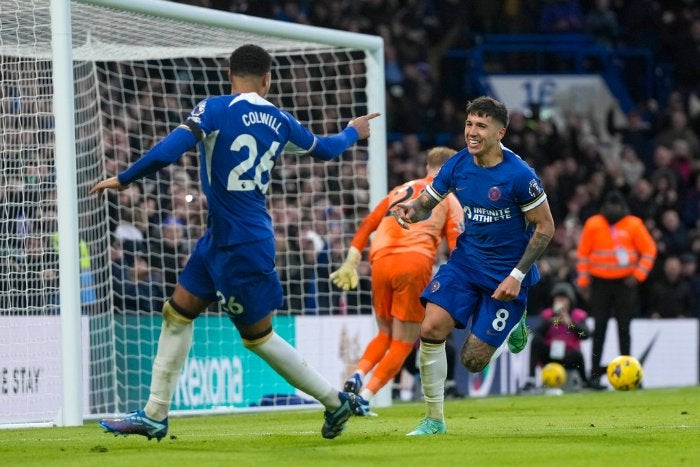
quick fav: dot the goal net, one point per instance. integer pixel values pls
(138, 69)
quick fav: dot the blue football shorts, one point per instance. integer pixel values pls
(466, 295)
(242, 278)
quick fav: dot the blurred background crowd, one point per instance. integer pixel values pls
(652, 155)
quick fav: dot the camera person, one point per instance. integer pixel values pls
(558, 336)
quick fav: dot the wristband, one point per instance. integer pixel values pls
(517, 274)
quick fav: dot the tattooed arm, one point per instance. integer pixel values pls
(541, 218)
(539, 241)
(415, 210)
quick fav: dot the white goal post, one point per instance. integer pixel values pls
(87, 87)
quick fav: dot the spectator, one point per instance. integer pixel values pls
(688, 54)
(539, 296)
(615, 254)
(131, 218)
(690, 207)
(392, 66)
(32, 275)
(631, 167)
(589, 156)
(671, 296)
(665, 183)
(446, 129)
(290, 260)
(519, 128)
(637, 132)
(319, 298)
(678, 129)
(641, 22)
(557, 16)
(134, 285)
(602, 23)
(169, 252)
(143, 288)
(641, 200)
(689, 272)
(558, 335)
(673, 238)
(683, 162)
(118, 267)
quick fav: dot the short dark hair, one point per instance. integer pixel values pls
(250, 60)
(486, 106)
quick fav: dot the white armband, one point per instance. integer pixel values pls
(517, 274)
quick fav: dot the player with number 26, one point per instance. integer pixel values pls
(240, 136)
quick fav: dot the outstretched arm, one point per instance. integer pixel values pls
(345, 277)
(167, 151)
(330, 147)
(111, 183)
(361, 124)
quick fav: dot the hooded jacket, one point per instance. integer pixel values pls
(614, 250)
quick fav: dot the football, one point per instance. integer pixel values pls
(625, 373)
(553, 375)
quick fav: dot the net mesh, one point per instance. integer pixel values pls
(133, 84)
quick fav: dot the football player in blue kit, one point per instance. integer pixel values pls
(240, 136)
(508, 225)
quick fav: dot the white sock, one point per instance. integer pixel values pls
(366, 394)
(289, 363)
(173, 346)
(498, 352)
(432, 361)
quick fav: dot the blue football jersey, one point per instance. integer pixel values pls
(494, 200)
(242, 137)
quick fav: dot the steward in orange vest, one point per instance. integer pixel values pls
(614, 245)
(615, 253)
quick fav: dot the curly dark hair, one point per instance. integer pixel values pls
(250, 60)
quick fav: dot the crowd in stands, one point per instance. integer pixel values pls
(652, 155)
(159, 219)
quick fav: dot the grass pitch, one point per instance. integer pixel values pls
(639, 428)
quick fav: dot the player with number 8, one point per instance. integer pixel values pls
(508, 225)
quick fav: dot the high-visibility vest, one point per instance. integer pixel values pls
(85, 262)
(606, 251)
(88, 293)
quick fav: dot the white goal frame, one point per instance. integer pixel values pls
(67, 196)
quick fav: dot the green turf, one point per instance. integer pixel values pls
(647, 427)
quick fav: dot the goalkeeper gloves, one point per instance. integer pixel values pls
(345, 277)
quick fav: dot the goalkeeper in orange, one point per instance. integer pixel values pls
(402, 265)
